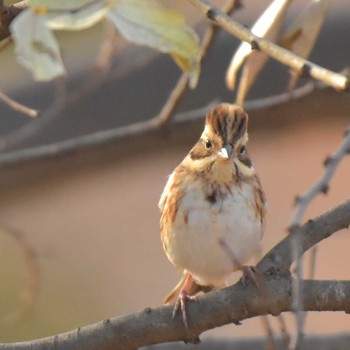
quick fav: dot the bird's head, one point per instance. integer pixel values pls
(223, 141)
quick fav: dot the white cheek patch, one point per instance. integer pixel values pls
(244, 169)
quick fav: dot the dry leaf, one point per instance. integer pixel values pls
(150, 23)
(78, 17)
(36, 46)
(302, 34)
(140, 21)
(267, 26)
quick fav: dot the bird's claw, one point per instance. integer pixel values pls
(181, 303)
(254, 274)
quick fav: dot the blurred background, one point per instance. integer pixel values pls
(91, 216)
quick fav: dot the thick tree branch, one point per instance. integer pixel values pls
(217, 308)
(311, 233)
(298, 64)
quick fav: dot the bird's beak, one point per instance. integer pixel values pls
(226, 151)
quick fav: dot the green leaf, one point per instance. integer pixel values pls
(36, 46)
(148, 22)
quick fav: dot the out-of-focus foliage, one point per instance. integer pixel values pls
(149, 23)
(145, 22)
(36, 46)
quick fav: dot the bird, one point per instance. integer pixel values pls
(213, 208)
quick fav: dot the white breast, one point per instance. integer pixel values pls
(200, 226)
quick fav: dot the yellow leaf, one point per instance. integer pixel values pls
(148, 22)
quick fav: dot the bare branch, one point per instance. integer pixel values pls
(31, 128)
(311, 233)
(298, 340)
(322, 186)
(181, 86)
(215, 309)
(302, 202)
(101, 67)
(7, 15)
(134, 130)
(174, 98)
(270, 339)
(30, 112)
(298, 64)
(285, 337)
(229, 305)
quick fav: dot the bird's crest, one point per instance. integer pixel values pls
(227, 121)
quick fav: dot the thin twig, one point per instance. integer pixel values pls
(298, 64)
(108, 48)
(270, 339)
(101, 67)
(62, 98)
(30, 112)
(181, 86)
(144, 128)
(313, 259)
(29, 129)
(322, 185)
(302, 202)
(296, 340)
(174, 98)
(285, 337)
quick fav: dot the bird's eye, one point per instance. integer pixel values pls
(208, 144)
(242, 150)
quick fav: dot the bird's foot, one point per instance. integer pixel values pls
(184, 295)
(181, 304)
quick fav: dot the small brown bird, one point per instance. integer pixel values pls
(213, 207)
